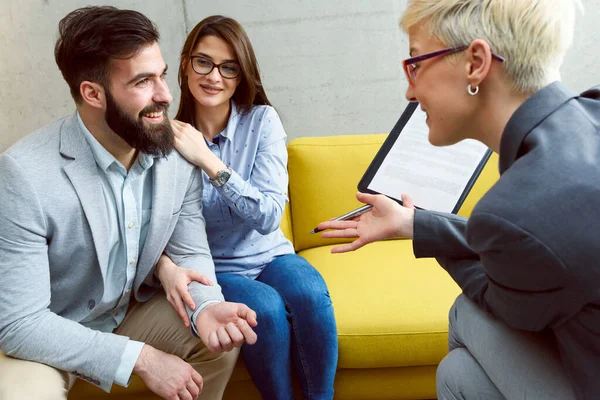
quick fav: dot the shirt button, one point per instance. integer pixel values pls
(91, 304)
(128, 291)
(131, 225)
(132, 261)
(116, 313)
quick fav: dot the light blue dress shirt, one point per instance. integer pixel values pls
(128, 200)
(243, 216)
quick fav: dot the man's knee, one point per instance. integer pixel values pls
(21, 379)
(216, 370)
(230, 359)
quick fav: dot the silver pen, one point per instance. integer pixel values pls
(347, 216)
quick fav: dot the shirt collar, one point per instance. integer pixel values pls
(103, 158)
(529, 115)
(146, 161)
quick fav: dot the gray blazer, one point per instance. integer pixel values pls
(54, 254)
(529, 253)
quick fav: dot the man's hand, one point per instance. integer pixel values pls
(387, 219)
(223, 326)
(175, 281)
(167, 375)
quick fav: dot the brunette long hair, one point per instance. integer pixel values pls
(250, 91)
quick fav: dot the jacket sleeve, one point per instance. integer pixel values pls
(441, 234)
(503, 268)
(29, 330)
(188, 245)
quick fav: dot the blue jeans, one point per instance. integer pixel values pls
(296, 326)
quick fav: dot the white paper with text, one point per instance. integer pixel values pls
(435, 177)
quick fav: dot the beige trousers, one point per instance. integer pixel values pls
(154, 323)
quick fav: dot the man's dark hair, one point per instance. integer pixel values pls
(90, 37)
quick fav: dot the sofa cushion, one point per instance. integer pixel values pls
(391, 309)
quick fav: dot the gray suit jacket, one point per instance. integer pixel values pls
(54, 254)
(529, 253)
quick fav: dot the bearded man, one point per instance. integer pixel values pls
(89, 204)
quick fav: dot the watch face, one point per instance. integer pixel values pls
(222, 177)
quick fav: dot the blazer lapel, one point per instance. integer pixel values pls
(164, 178)
(84, 176)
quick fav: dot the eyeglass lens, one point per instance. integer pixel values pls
(204, 67)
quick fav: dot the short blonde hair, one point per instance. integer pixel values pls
(532, 35)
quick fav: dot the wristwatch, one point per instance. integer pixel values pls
(222, 177)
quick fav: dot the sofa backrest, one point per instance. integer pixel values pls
(324, 174)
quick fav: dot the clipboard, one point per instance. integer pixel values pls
(383, 164)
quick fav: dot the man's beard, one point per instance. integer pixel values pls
(154, 139)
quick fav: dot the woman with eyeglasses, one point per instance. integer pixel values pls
(226, 126)
(527, 324)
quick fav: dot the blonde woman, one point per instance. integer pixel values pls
(528, 322)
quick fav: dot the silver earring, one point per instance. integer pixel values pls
(471, 91)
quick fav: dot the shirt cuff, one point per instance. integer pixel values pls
(128, 360)
(234, 188)
(197, 311)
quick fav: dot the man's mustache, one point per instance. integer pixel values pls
(156, 107)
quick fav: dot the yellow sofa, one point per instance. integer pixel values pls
(391, 309)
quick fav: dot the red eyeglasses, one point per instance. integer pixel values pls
(410, 64)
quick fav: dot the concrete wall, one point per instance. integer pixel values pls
(329, 66)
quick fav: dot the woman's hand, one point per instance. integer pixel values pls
(191, 144)
(175, 282)
(387, 219)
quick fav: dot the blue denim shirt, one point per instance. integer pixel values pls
(243, 216)
(128, 200)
